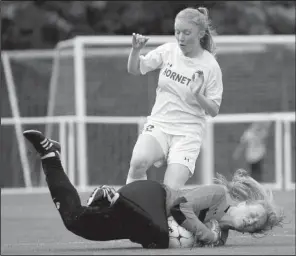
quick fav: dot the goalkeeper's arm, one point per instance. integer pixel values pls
(223, 235)
(213, 225)
(193, 224)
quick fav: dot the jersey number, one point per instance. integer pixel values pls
(149, 128)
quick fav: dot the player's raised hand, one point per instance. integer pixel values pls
(197, 82)
(139, 41)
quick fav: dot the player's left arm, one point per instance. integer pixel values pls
(211, 100)
(222, 240)
(198, 201)
(223, 237)
(191, 222)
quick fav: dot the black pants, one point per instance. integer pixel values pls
(146, 216)
(139, 213)
(256, 170)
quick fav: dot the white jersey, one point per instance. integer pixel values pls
(176, 109)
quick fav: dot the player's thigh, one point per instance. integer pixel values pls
(181, 159)
(151, 146)
(176, 175)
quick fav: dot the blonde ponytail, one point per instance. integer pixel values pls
(207, 42)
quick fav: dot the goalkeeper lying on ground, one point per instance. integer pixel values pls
(110, 215)
(241, 204)
(128, 214)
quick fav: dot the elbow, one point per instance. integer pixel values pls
(213, 114)
(133, 72)
(214, 111)
(129, 70)
(133, 68)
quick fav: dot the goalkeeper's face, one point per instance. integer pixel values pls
(248, 217)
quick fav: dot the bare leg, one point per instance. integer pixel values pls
(146, 152)
(176, 175)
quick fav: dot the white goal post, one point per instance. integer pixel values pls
(76, 47)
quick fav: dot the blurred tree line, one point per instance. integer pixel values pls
(41, 24)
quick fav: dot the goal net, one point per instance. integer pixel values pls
(96, 109)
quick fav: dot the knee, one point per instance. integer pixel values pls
(138, 169)
(71, 222)
(139, 162)
(173, 184)
(74, 225)
(176, 176)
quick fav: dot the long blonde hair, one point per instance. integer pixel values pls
(242, 187)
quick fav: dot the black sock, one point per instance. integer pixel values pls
(63, 193)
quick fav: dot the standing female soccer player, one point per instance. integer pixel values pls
(189, 88)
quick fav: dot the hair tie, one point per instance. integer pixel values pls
(202, 10)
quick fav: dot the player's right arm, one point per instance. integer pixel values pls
(140, 64)
(138, 43)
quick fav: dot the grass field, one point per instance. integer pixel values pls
(30, 224)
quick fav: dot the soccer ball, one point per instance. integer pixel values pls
(179, 237)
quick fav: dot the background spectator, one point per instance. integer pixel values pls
(253, 143)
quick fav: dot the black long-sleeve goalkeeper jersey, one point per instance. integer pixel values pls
(143, 211)
(194, 207)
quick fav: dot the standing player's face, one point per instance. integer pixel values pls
(248, 217)
(187, 34)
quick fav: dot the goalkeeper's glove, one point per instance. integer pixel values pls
(213, 225)
(215, 228)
